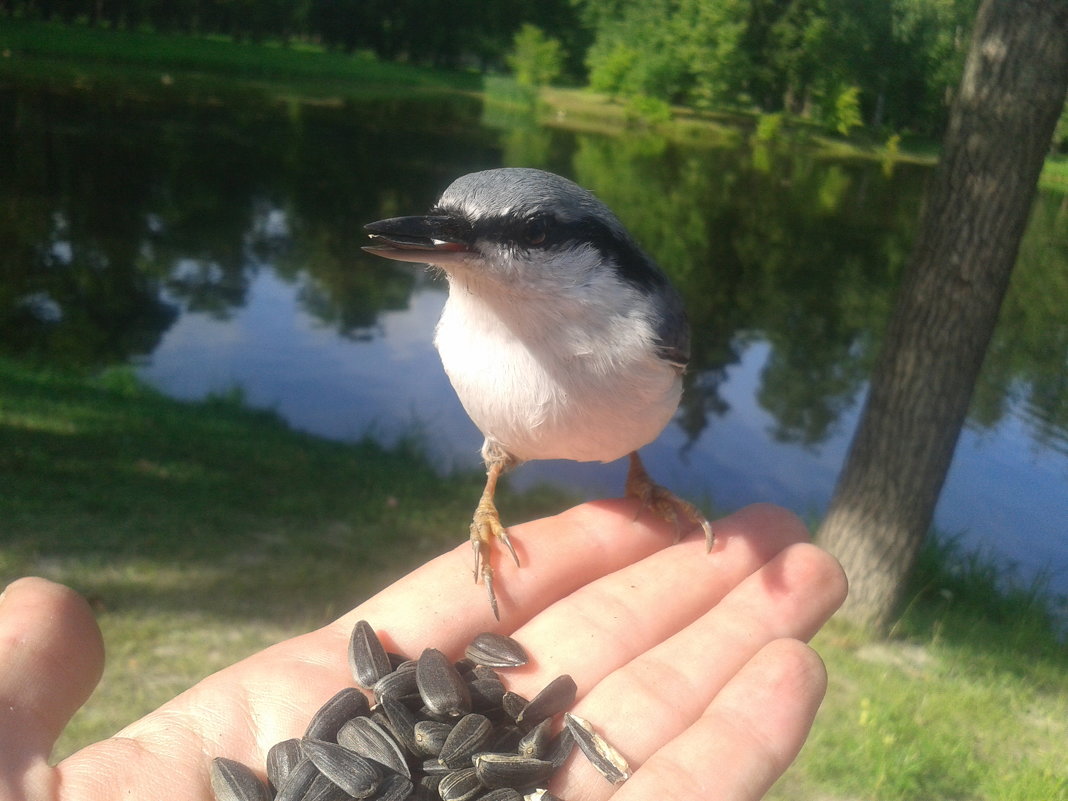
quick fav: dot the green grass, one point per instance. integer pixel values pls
(967, 699)
(1055, 174)
(203, 532)
(88, 57)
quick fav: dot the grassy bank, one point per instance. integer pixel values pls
(86, 57)
(215, 68)
(202, 532)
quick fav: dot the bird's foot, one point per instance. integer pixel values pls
(665, 503)
(485, 529)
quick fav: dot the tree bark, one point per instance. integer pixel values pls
(999, 133)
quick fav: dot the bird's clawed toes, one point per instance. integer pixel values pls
(486, 527)
(665, 503)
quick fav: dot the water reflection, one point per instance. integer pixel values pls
(219, 246)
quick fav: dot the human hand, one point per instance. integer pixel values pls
(691, 664)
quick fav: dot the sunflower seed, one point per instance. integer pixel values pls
(367, 658)
(233, 781)
(513, 704)
(430, 782)
(394, 788)
(401, 721)
(398, 685)
(505, 740)
(422, 741)
(440, 685)
(560, 748)
(430, 736)
(369, 739)
(608, 761)
(557, 696)
(465, 667)
(298, 781)
(483, 672)
(468, 736)
(510, 770)
(347, 704)
(460, 785)
(535, 741)
(355, 775)
(431, 767)
(322, 789)
(486, 693)
(496, 650)
(281, 759)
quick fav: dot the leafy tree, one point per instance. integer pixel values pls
(536, 59)
(847, 110)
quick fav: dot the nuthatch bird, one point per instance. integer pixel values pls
(562, 338)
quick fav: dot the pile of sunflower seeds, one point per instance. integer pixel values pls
(438, 731)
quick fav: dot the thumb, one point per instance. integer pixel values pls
(51, 658)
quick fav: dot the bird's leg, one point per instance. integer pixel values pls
(486, 526)
(664, 502)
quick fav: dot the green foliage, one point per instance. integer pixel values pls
(768, 128)
(536, 59)
(903, 57)
(891, 151)
(636, 54)
(609, 66)
(647, 110)
(847, 110)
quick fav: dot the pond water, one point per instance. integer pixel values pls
(216, 246)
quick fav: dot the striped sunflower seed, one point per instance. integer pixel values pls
(496, 650)
(233, 781)
(608, 761)
(367, 658)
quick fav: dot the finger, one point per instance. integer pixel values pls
(749, 735)
(276, 691)
(437, 605)
(441, 603)
(642, 604)
(655, 696)
(51, 658)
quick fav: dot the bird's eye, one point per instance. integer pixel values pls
(536, 232)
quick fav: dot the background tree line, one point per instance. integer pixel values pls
(889, 64)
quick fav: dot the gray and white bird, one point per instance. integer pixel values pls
(561, 337)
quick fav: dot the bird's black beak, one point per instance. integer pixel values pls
(432, 239)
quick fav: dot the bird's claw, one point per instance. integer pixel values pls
(665, 503)
(485, 528)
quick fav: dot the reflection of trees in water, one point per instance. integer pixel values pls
(118, 214)
(786, 248)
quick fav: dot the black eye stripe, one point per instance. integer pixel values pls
(633, 264)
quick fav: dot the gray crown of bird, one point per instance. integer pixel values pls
(562, 338)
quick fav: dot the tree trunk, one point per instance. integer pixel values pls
(1000, 129)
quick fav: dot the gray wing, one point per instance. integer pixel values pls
(673, 330)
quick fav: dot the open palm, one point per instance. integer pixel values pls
(691, 664)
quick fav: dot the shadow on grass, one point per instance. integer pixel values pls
(978, 607)
(140, 501)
